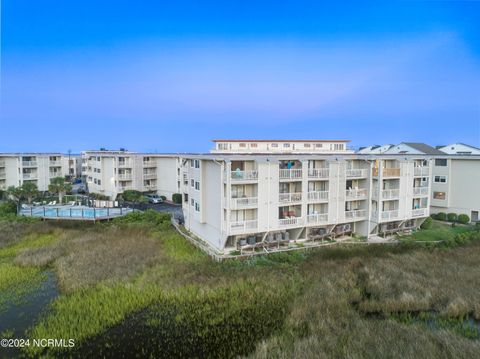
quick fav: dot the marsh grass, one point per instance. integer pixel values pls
(137, 278)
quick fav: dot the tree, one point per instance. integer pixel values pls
(59, 186)
(29, 190)
(131, 195)
(14, 193)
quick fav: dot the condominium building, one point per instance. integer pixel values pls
(455, 186)
(109, 173)
(39, 168)
(235, 197)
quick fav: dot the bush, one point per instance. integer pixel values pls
(8, 208)
(441, 216)
(427, 224)
(163, 198)
(434, 216)
(463, 218)
(162, 220)
(177, 198)
(452, 217)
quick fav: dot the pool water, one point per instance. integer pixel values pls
(74, 212)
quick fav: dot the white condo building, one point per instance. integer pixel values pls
(109, 173)
(246, 192)
(39, 168)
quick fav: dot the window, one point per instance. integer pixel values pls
(306, 145)
(197, 164)
(439, 195)
(440, 179)
(185, 197)
(95, 180)
(319, 145)
(192, 163)
(253, 145)
(286, 145)
(223, 146)
(192, 202)
(197, 186)
(192, 182)
(441, 162)
(197, 207)
(274, 145)
(338, 146)
(99, 182)
(242, 145)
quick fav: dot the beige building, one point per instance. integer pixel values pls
(232, 198)
(109, 173)
(39, 168)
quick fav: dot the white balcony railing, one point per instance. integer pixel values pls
(125, 176)
(290, 174)
(124, 164)
(356, 193)
(421, 171)
(29, 163)
(245, 202)
(420, 212)
(290, 197)
(242, 226)
(358, 213)
(244, 175)
(420, 191)
(149, 164)
(54, 174)
(390, 193)
(55, 164)
(2, 163)
(317, 218)
(293, 221)
(150, 186)
(124, 188)
(391, 172)
(389, 215)
(356, 173)
(29, 176)
(318, 196)
(3, 175)
(318, 173)
(149, 175)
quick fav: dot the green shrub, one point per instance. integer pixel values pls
(177, 198)
(441, 216)
(8, 208)
(427, 224)
(434, 216)
(463, 218)
(452, 217)
(163, 198)
(162, 220)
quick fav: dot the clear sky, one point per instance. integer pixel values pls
(169, 76)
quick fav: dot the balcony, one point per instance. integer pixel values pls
(421, 171)
(150, 187)
(420, 191)
(124, 164)
(389, 215)
(238, 176)
(245, 202)
(391, 193)
(387, 172)
(54, 174)
(318, 196)
(124, 188)
(29, 163)
(2, 163)
(318, 173)
(290, 174)
(356, 173)
(356, 214)
(3, 175)
(149, 163)
(420, 212)
(244, 226)
(149, 175)
(55, 164)
(29, 176)
(356, 193)
(125, 176)
(321, 218)
(293, 221)
(290, 197)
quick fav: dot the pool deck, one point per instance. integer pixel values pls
(74, 213)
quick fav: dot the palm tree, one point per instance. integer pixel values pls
(29, 190)
(14, 193)
(131, 195)
(59, 186)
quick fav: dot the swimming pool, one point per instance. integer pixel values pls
(73, 212)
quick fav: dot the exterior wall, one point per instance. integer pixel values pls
(168, 176)
(40, 168)
(462, 187)
(460, 148)
(274, 146)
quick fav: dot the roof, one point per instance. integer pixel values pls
(280, 140)
(424, 148)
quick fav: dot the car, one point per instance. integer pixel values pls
(153, 198)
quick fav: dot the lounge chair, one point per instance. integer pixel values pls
(53, 203)
(24, 206)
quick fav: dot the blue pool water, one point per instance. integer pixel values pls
(74, 212)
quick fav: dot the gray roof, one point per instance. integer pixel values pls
(424, 148)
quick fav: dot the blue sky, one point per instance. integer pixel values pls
(170, 76)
